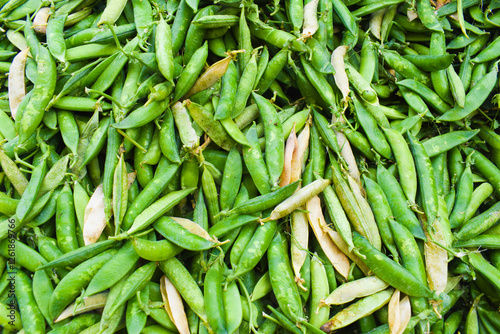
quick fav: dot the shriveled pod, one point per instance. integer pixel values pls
(349, 291)
(184, 125)
(376, 22)
(41, 19)
(95, 217)
(209, 77)
(310, 25)
(173, 305)
(340, 75)
(299, 242)
(194, 228)
(394, 317)
(436, 260)
(17, 85)
(299, 153)
(86, 304)
(317, 221)
(404, 314)
(290, 145)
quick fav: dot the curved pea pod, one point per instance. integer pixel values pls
(463, 197)
(191, 72)
(8, 205)
(187, 133)
(212, 296)
(282, 278)
(254, 249)
(155, 250)
(275, 145)
(404, 67)
(245, 86)
(142, 115)
(359, 309)
(212, 128)
(445, 142)
(488, 53)
(163, 48)
(135, 282)
(483, 266)
(70, 286)
(185, 285)
(164, 173)
(122, 262)
(173, 305)
(431, 63)
(299, 198)
(186, 234)
(79, 255)
(158, 209)
(480, 223)
(263, 202)
(276, 37)
(396, 198)
(231, 223)
(234, 132)
(388, 270)
(359, 288)
(426, 93)
(209, 77)
(87, 304)
(473, 100)
(321, 231)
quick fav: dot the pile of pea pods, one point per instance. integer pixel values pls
(240, 166)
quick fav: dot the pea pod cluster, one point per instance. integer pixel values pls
(249, 167)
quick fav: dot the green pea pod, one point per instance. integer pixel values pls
(245, 86)
(426, 180)
(212, 297)
(43, 91)
(55, 37)
(272, 70)
(31, 317)
(163, 48)
(405, 164)
(191, 72)
(122, 262)
(212, 128)
(69, 130)
(462, 199)
(372, 131)
(254, 249)
(153, 155)
(135, 282)
(135, 316)
(404, 67)
(275, 145)
(318, 80)
(426, 93)
(70, 286)
(168, 145)
(382, 212)
(439, 78)
(164, 173)
(473, 100)
(65, 221)
(43, 292)
(276, 37)
(180, 26)
(231, 180)
(8, 205)
(445, 142)
(143, 115)
(266, 201)
(397, 202)
(155, 250)
(186, 285)
(388, 270)
(282, 278)
(112, 12)
(427, 16)
(480, 223)
(79, 255)
(488, 53)
(228, 92)
(97, 141)
(158, 209)
(28, 198)
(326, 133)
(457, 87)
